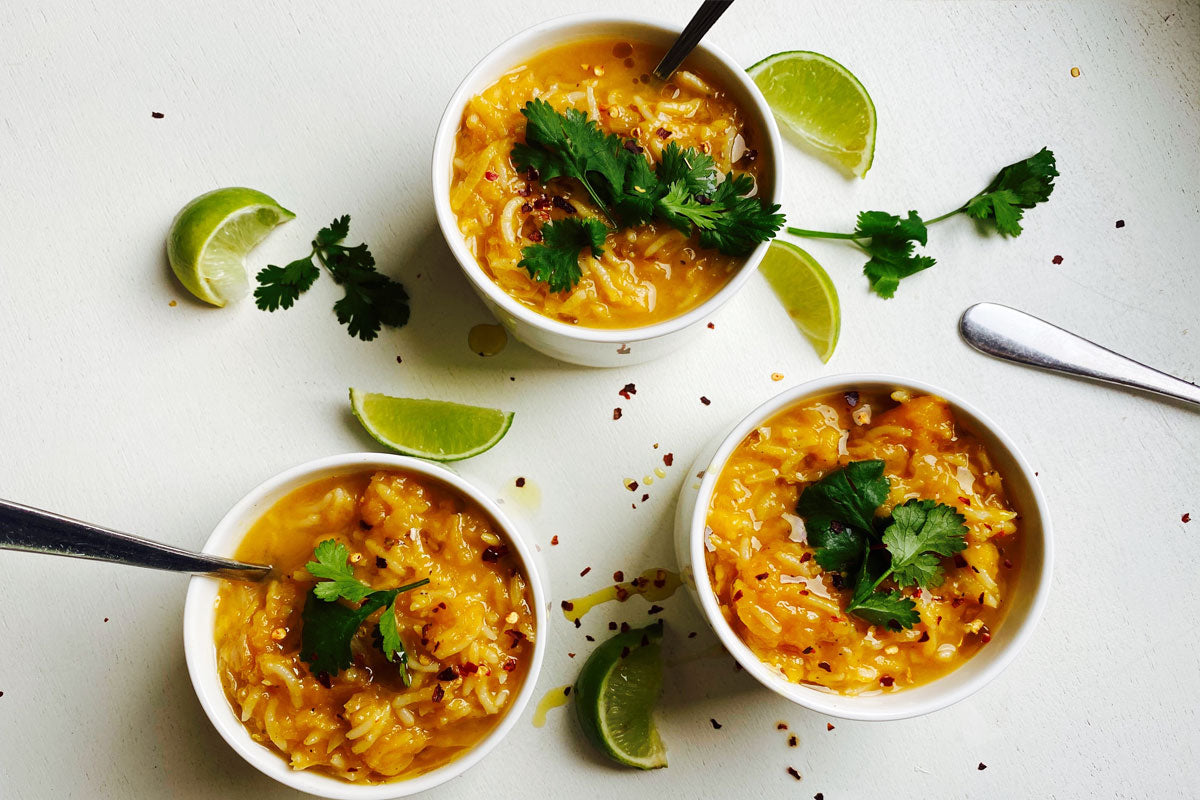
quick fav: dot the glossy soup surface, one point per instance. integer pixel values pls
(473, 623)
(789, 611)
(647, 274)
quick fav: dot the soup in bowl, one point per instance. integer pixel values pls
(868, 547)
(650, 279)
(395, 641)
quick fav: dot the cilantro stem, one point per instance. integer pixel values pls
(947, 215)
(821, 234)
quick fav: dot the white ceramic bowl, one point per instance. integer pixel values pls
(1024, 605)
(598, 347)
(199, 617)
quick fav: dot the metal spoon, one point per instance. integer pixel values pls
(36, 531)
(703, 19)
(1016, 336)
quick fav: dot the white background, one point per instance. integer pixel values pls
(118, 408)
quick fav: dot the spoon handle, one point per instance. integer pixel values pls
(705, 16)
(1016, 336)
(36, 531)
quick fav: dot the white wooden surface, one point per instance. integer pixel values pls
(119, 408)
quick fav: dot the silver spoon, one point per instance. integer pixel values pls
(36, 531)
(691, 35)
(1016, 336)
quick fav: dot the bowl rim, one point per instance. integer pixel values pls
(828, 702)
(501, 58)
(199, 620)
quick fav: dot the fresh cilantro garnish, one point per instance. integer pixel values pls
(839, 515)
(890, 240)
(330, 626)
(556, 260)
(685, 189)
(372, 299)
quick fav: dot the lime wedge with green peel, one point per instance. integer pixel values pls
(433, 429)
(615, 697)
(211, 235)
(822, 104)
(807, 294)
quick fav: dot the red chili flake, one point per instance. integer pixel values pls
(960, 562)
(1008, 563)
(366, 526)
(399, 360)
(805, 557)
(656, 609)
(1186, 518)
(887, 680)
(660, 579)
(632, 486)
(624, 652)
(106, 619)
(535, 235)
(792, 771)
(828, 726)
(807, 650)
(491, 176)
(663, 133)
(492, 554)
(669, 459)
(924, 636)
(964, 500)
(851, 398)
(533, 174)
(612, 626)
(624, 627)
(917, 592)
(570, 655)
(324, 679)
(1120, 223)
(980, 595)
(448, 674)
(510, 664)
(804, 592)
(517, 637)
(716, 725)
(380, 562)
(793, 741)
(628, 390)
(561, 203)
(737, 595)
(645, 497)
(692, 635)
(750, 156)
(982, 766)
(616, 413)
(520, 482)
(985, 634)
(578, 624)
(834, 618)
(438, 693)
(838, 581)
(825, 666)
(160, 115)
(705, 401)
(711, 326)
(554, 539)
(389, 542)
(1056, 260)
(589, 637)
(819, 796)
(567, 690)
(567, 605)
(762, 576)
(633, 147)
(781, 726)
(526, 208)
(585, 571)
(525, 191)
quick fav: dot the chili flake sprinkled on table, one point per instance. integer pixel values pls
(1120, 223)
(1056, 260)
(792, 771)
(616, 413)
(1186, 518)
(705, 400)
(716, 725)
(982, 766)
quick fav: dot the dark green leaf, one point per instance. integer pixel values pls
(848, 495)
(280, 287)
(333, 566)
(556, 260)
(329, 627)
(889, 240)
(921, 533)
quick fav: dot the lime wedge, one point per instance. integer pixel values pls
(822, 104)
(432, 429)
(211, 235)
(807, 294)
(615, 696)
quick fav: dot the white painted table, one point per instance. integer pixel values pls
(121, 407)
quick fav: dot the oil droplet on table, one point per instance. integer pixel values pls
(524, 493)
(487, 340)
(558, 696)
(653, 584)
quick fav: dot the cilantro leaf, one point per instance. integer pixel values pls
(848, 495)
(682, 210)
(555, 260)
(328, 628)
(280, 287)
(921, 533)
(880, 608)
(745, 221)
(392, 644)
(697, 170)
(333, 566)
(636, 204)
(1018, 186)
(890, 245)
(338, 230)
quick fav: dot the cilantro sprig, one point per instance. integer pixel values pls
(371, 299)
(840, 516)
(329, 626)
(890, 240)
(685, 189)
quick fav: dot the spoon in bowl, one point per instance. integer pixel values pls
(691, 35)
(34, 531)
